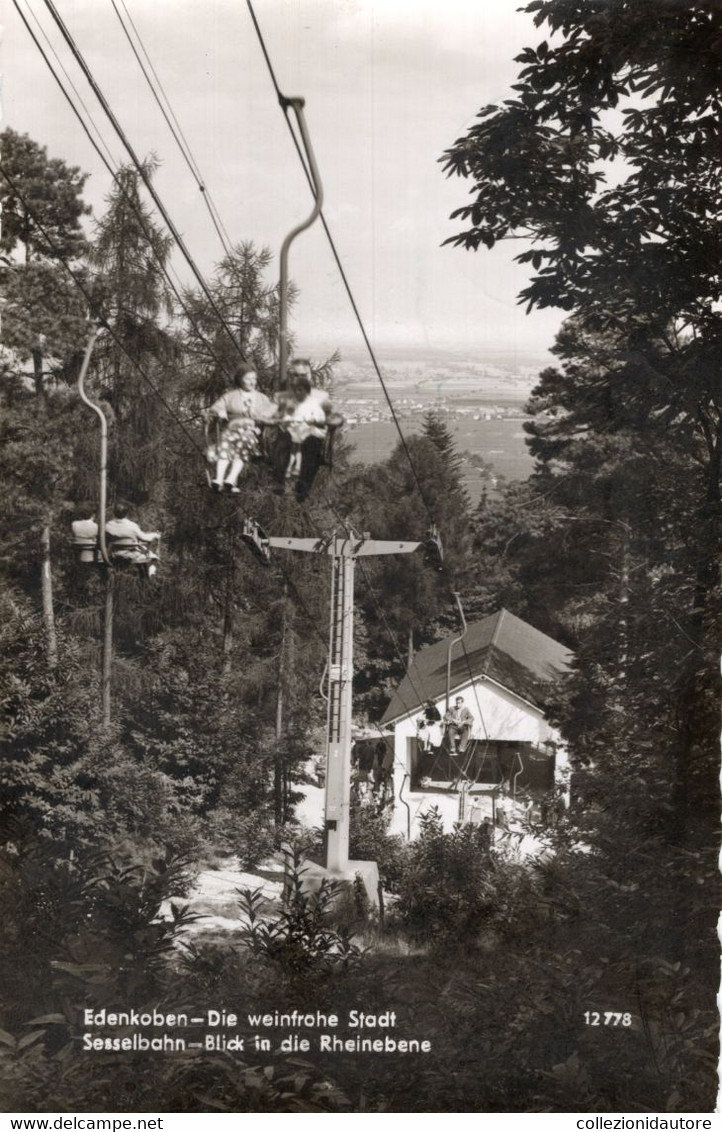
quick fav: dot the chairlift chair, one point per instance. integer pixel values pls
(87, 550)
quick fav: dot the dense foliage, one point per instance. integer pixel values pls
(606, 162)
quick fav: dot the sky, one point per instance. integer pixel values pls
(388, 84)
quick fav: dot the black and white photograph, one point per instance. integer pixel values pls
(360, 551)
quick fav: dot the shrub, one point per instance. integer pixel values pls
(93, 922)
(447, 889)
(251, 836)
(301, 939)
(369, 840)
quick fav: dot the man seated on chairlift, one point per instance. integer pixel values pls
(308, 412)
(458, 723)
(85, 535)
(128, 541)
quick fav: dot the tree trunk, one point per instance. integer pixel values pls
(38, 373)
(46, 580)
(708, 570)
(228, 617)
(107, 661)
(278, 791)
(695, 773)
(624, 606)
(290, 670)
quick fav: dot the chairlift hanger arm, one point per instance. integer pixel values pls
(295, 104)
(103, 442)
(452, 642)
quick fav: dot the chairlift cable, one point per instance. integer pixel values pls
(126, 196)
(181, 245)
(63, 68)
(153, 71)
(89, 299)
(140, 169)
(339, 264)
(81, 287)
(175, 130)
(342, 272)
(369, 347)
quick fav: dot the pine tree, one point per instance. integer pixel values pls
(46, 222)
(44, 325)
(129, 257)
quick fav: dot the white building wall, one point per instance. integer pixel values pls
(498, 714)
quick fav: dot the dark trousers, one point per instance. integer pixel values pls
(311, 461)
(457, 738)
(281, 447)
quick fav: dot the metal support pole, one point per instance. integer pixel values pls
(338, 776)
(343, 552)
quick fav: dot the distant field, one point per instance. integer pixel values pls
(500, 442)
(431, 390)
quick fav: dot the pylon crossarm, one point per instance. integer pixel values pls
(373, 546)
(344, 547)
(307, 545)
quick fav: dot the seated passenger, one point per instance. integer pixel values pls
(128, 543)
(243, 408)
(458, 722)
(306, 413)
(428, 727)
(85, 538)
(383, 788)
(363, 754)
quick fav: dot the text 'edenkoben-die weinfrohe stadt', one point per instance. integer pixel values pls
(220, 1029)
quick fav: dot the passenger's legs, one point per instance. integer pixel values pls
(221, 468)
(311, 457)
(232, 478)
(294, 462)
(279, 447)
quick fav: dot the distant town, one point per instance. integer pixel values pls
(373, 410)
(483, 401)
(494, 387)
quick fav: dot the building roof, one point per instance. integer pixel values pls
(502, 647)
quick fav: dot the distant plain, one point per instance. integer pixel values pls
(493, 389)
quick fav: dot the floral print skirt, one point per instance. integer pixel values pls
(238, 441)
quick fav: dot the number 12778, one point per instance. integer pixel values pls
(607, 1018)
